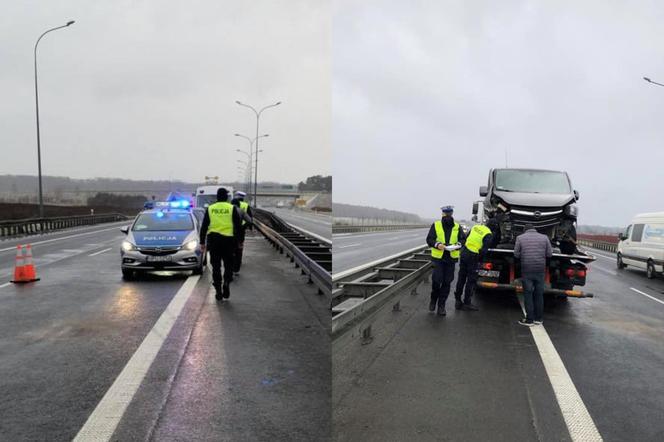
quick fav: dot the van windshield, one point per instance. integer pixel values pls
(532, 181)
(202, 200)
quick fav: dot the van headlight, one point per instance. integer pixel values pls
(127, 246)
(572, 210)
(191, 245)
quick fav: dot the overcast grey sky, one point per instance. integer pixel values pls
(427, 96)
(147, 89)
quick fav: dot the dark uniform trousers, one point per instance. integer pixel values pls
(239, 248)
(221, 248)
(467, 275)
(441, 280)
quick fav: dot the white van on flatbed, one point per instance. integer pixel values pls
(642, 244)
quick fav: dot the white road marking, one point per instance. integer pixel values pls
(647, 295)
(344, 273)
(58, 239)
(579, 423)
(100, 252)
(349, 245)
(106, 416)
(5, 284)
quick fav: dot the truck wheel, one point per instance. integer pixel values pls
(621, 265)
(127, 274)
(650, 270)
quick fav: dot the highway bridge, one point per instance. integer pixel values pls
(87, 355)
(593, 371)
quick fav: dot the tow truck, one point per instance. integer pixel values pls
(545, 199)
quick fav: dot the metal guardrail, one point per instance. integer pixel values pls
(338, 228)
(599, 245)
(359, 295)
(34, 226)
(312, 255)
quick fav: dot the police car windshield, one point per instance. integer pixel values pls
(161, 221)
(531, 181)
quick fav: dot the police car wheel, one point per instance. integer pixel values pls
(198, 270)
(127, 274)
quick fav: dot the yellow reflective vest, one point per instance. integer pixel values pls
(244, 206)
(475, 239)
(221, 218)
(440, 237)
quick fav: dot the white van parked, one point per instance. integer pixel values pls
(642, 244)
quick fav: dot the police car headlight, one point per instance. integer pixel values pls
(191, 245)
(127, 246)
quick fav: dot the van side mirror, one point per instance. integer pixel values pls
(576, 195)
(125, 230)
(475, 208)
(622, 236)
(484, 190)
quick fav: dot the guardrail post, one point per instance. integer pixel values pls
(366, 335)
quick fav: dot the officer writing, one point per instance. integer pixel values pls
(445, 232)
(221, 224)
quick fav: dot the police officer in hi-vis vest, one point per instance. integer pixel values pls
(221, 225)
(443, 233)
(247, 221)
(479, 240)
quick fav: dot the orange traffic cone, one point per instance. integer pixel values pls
(24, 270)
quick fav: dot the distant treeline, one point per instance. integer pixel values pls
(316, 183)
(115, 200)
(351, 211)
(599, 230)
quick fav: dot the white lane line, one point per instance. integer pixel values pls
(344, 273)
(647, 295)
(105, 418)
(5, 284)
(579, 423)
(100, 252)
(349, 245)
(58, 239)
(577, 418)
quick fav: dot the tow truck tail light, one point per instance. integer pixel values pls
(570, 273)
(487, 266)
(581, 273)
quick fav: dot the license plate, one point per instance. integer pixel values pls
(158, 258)
(489, 273)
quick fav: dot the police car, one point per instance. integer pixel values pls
(164, 237)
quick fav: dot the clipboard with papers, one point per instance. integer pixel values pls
(453, 247)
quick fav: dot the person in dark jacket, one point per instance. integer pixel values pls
(445, 232)
(221, 225)
(247, 215)
(533, 249)
(479, 240)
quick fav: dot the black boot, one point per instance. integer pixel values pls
(470, 307)
(458, 304)
(441, 310)
(432, 306)
(227, 291)
(217, 294)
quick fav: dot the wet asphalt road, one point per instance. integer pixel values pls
(479, 375)
(64, 340)
(316, 223)
(355, 249)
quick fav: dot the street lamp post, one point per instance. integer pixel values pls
(653, 82)
(258, 116)
(248, 177)
(251, 154)
(41, 195)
